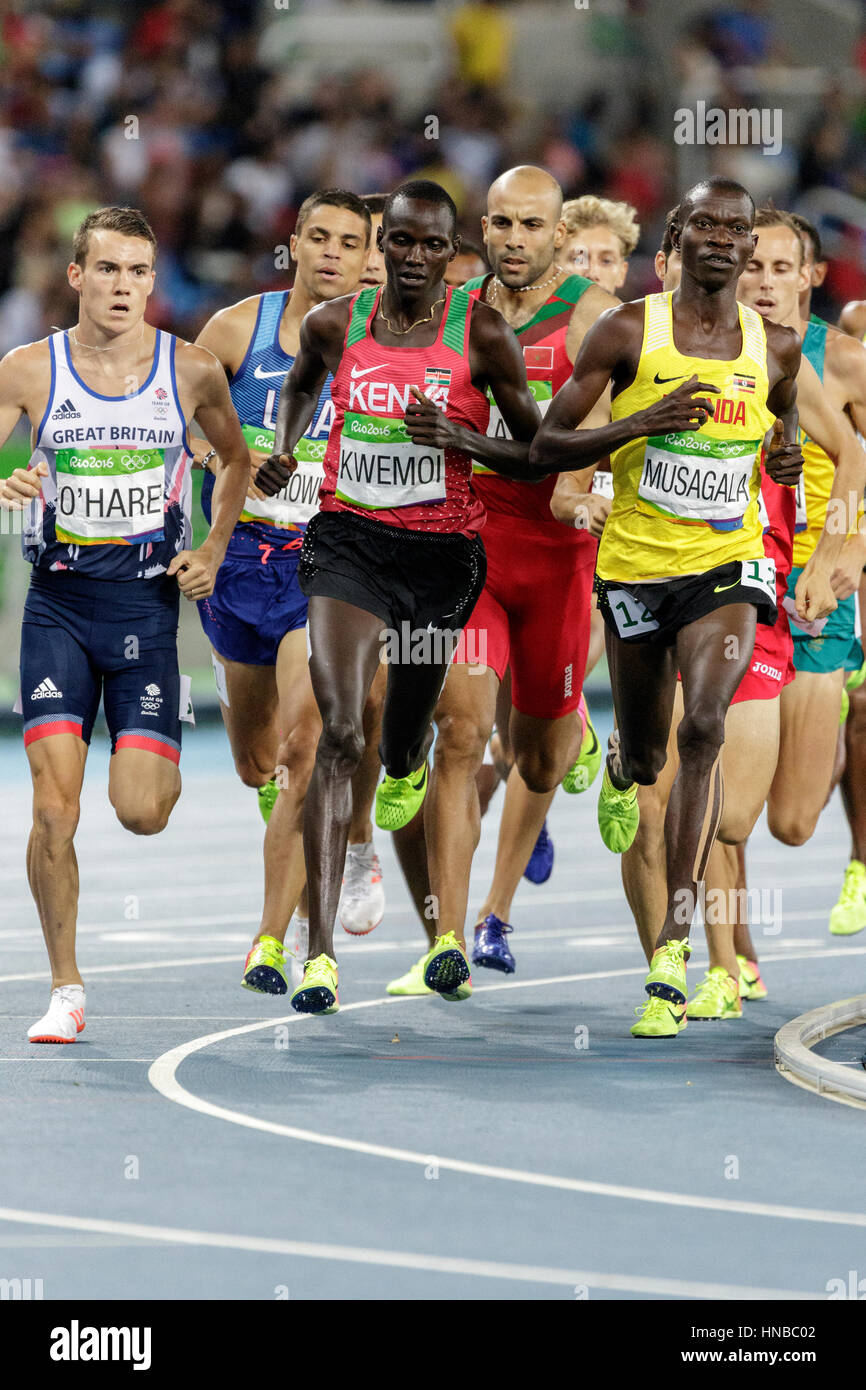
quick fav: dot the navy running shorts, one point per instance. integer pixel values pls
(85, 638)
(254, 604)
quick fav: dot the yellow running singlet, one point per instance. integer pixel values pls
(688, 501)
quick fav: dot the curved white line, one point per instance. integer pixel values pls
(400, 1259)
(162, 1076)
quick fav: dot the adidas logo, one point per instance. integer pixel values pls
(47, 690)
(66, 411)
(151, 690)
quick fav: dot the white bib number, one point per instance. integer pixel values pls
(684, 483)
(602, 484)
(390, 474)
(760, 574)
(631, 617)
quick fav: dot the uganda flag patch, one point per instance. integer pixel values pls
(437, 376)
(745, 384)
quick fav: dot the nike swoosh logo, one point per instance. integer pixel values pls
(662, 380)
(366, 370)
(720, 588)
(260, 375)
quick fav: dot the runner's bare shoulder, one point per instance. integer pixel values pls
(25, 372)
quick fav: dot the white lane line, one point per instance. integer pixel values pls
(137, 965)
(162, 1076)
(51, 1056)
(401, 1259)
(517, 984)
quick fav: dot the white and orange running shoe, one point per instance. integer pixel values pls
(362, 901)
(64, 1019)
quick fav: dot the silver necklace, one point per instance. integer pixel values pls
(91, 347)
(496, 285)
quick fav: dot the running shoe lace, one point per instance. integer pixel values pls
(711, 989)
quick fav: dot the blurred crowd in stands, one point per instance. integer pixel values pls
(171, 108)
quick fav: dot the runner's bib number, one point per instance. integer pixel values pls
(690, 477)
(760, 574)
(107, 496)
(542, 393)
(631, 617)
(381, 467)
(602, 484)
(297, 502)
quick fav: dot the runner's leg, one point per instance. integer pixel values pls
(710, 677)
(285, 873)
(451, 818)
(251, 718)
(346, 644)
(807, 751)
(57, 771)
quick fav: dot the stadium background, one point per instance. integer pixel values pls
(218, 119)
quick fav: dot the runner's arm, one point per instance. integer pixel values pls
(590, 307)
(227, 335)
(217, 416)
(832, 432)
(496, 362)
(299, 395)
(19, 381)
(612, 345)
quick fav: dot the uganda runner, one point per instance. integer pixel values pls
(682, 574)
(750, 750)
(107, 530)
(393, 565)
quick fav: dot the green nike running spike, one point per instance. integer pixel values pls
(583, 772)
(265, 967)
(268, 799)
(667, 975)
(659, 1019)
(398, 799)
(618, 815)
(317, 992)
(849, 914)
(717, 996)
(446, 968)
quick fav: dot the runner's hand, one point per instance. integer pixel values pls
(846, 577)
(196, 572)
(680, 409)
(586, 511)
(258, 459)
(782, 462)
(814, 595)
(427, 424)
(275, 473)
(22, 487)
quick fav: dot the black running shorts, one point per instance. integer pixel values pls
(426, 579)
(656, 612)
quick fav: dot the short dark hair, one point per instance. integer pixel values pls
(716, 183)
(471, 248)
(771, 216)
(667, 245)
(333, 198)
(126, 221)
(810, 231)
(422, 191)
(375, 202)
